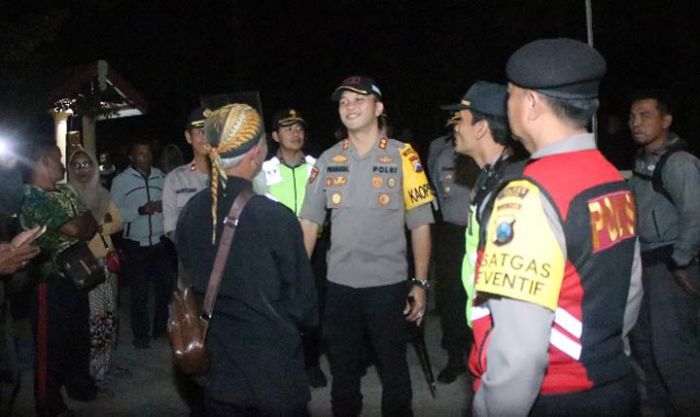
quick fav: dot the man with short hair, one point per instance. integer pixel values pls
(267, 291)
(137, 193)
(375, 187)
(189, 179)
(558, 270)
(60, 311)
(481, 132)
(666, 184)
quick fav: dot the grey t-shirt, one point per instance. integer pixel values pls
(372, 199)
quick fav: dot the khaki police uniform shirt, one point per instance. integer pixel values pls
(372, 199)
(180, 185)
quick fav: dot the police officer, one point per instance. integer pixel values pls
(448, 241)
(186, 180)
(284, 178)
(285, 175)
(481, 133)
(558, 276)
(374, 187)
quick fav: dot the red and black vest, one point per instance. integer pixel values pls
(597, 213)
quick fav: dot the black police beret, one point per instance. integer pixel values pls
(560, 68)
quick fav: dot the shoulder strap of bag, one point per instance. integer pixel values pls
(222, 253)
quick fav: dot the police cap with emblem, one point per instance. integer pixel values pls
(359, 85)
(287, 117)
(484, 97)
(560, 68)
(196, 118)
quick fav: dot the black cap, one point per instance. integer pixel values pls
(287, 117)
(484, 97)
(561, 68)
(197, 118)
(359, 85)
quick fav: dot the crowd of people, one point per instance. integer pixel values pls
(553, 274)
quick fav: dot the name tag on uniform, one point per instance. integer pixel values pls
(273, 176)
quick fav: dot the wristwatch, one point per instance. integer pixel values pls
(422, 283)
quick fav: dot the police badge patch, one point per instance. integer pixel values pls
(504, 230)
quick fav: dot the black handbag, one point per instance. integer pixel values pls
(78, 264)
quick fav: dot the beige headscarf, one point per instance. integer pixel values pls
(95, 197)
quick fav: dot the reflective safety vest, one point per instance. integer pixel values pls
(471, 243)
(288, 184)
(587, 290)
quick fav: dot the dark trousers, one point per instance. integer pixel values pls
(378, 312)
(60, 325)
(616, 399)
(311, 338)
(220, 409)
(146, 265)
(449, 292)
(665, 341)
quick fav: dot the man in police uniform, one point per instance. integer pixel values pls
(284, 178)
(558, 276)
(666, 187)
(481, 133)
(448, 241)
(181, 184)
(286, 174)
(189, 179)
(374, 187)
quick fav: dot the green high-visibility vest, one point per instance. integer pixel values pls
(471, 243)
(287, 184)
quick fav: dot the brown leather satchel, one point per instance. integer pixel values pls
(188, 327)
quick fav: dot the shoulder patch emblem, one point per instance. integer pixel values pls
(504, 230)
(313, 174)
(383, 142)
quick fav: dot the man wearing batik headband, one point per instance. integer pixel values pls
(375, 187)
(558, 272)
(267, 290)
(452, 188)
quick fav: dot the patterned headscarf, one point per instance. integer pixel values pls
(231, 131)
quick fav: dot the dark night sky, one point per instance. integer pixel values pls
(422, 54)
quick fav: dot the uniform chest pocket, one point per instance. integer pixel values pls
(336, 194)
(385, 200)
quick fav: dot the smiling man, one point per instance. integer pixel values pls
(374, 187)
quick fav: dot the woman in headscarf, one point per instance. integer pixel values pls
(84, 177)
